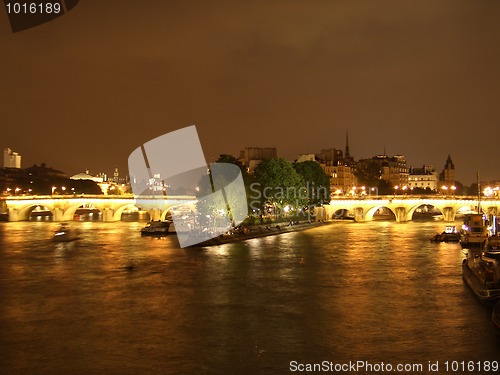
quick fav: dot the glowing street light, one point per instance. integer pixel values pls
(53, 189)
(488, 191)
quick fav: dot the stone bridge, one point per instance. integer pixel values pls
(403, 207)
(63, 207)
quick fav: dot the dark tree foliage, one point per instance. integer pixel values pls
(279, 185)
(316, 181)
(369, 175)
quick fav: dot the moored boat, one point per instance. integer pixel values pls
(482, 275)
(156, 228)
(490, 253)
(495, 316)
(474, 232)
(450, 234)
(494, 242)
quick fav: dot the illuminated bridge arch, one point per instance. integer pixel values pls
(403, 207)
(372, 211)
(63, 207)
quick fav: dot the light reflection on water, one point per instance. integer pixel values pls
(115, 302)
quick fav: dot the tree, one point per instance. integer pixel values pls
(368, 174)
(279, 185)
(473, 189)
(317, 182)
(222, 176)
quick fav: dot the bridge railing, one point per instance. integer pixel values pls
(95, 196)
(66, 196)
(421, 197)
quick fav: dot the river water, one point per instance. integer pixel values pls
(114, 302)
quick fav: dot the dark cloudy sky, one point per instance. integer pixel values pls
(420, 77)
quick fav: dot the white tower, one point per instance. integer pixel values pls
(11, 159)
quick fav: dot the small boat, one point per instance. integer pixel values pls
(491, 253)
(64, 234)
(495, 316)
(474, 232)
(156, 228)
(482, 275)
(450, 234)
(493, 242)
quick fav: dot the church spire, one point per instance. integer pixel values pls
(347, 154)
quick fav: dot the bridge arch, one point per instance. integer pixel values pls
(166, 215)
(24, 212)
(404, 207)
(187, 208)
(372, 211)
(117, 215)
(63, 208)
(69, 212)
(341, 213)
(415, 207)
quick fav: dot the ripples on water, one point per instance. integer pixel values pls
(116, 303)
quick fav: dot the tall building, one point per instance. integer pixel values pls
(392, 169)
(447, 175)
(330, 156)
(340, 167)
(348, 159)
(251, 157)
(342, 178)
(11, 159)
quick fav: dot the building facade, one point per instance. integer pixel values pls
(392, 169)
(447, 175)
(251, 157)
(342, 178)
(423, 178)
(11, 159)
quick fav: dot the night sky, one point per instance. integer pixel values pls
(421, 78)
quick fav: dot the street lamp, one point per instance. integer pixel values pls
(53, 189)
(453, 188)
(445, 189)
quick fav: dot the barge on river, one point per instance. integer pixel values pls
(482, 275)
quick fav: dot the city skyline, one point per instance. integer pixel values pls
(346, 160)
(419, 79)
